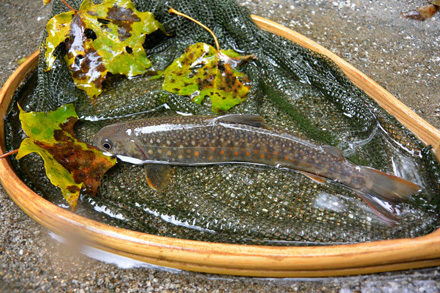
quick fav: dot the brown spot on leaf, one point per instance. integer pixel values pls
(124, 31)
(60, 135)
(73, 189)
(117, 13)
(83, 164)
(103, 21)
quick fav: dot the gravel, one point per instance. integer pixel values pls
(400, 54)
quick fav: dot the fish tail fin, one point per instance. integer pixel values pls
(389, 187)
(383, 192)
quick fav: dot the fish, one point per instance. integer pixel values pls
(158, 143)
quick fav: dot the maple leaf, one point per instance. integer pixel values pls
(203, 72)
(102, 38)
(70, 164)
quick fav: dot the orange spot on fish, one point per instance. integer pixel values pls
(262, 156)
(212, 149)
(236, 153)
(222, 152)
(256, 152)
(188, 151)
(307, 164)
(210, 158)
(180, 156)
(275, 153)
(242, 150)
(169, 153)
(248, 153)
(286, 158)
(196, 154)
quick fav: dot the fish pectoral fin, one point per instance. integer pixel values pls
(314, 177)
(245, 119)
(157, 175)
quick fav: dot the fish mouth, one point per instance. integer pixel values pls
(108, 154)
(130, 160)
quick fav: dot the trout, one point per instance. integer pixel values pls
(160, 142)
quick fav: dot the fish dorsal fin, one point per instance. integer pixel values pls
(334, 151)
(157, 175)
(245, 119)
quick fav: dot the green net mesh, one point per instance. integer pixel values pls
(293, 88)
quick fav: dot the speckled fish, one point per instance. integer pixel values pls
(204, 140)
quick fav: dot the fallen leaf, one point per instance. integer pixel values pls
(203, 72)
(102, 38)
(423, 12)
(70, 164)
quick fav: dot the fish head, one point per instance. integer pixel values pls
(117, 140)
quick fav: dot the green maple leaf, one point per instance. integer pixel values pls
(70, 164)
(101, 38)
(203, 72)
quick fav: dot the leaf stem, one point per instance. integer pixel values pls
(70, 7)
(172, 10)
(8, 154)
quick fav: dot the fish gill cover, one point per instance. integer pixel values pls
(292, 88)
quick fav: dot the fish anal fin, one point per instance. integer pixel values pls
(384, 210)
(314, 177)
(157, 175)
(245, 119)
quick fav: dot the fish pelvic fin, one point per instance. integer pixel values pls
(314, 177)
(157, 175)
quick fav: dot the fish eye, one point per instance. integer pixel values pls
(107, 144)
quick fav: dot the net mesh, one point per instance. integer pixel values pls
(293, 88)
